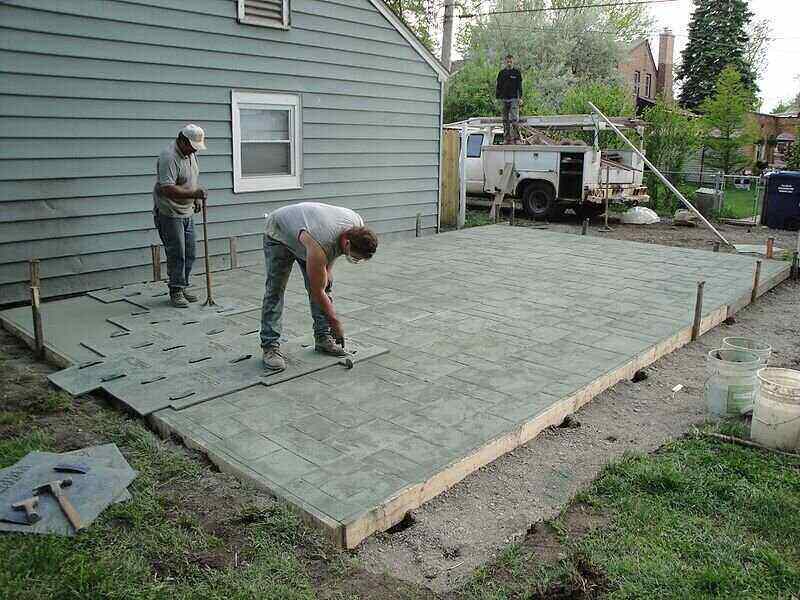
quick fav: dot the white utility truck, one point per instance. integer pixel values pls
(552, 173)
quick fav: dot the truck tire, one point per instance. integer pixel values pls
(539, 201)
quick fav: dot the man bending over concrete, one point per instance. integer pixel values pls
(314, 235)
(176, 197)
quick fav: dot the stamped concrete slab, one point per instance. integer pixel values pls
(492, 334)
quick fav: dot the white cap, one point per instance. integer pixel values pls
(195, 135)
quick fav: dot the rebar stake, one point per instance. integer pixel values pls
(698, 310)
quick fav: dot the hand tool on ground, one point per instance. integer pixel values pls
(29, 506)
(72, 468)
(54, 487)
(209, 299)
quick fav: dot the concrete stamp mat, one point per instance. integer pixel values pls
(90, 493)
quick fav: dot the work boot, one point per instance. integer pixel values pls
(327, 345)
(176, 298)
(273, 359)
(189, 296)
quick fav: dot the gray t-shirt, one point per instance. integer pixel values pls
(323, 222)
(173, 168)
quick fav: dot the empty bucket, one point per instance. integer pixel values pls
(776, 416)
(763, 350)
(731, 385)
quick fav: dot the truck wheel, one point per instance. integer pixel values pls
(539, 201)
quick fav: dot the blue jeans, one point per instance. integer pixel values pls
(278, 261)
(177, 235)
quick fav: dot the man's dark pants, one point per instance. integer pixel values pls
(510, 120)
(278, 262)
(177, 235)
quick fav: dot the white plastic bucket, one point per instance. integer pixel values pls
(731, 385)
(776, 416)
(763, 350)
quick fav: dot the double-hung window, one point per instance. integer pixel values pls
(267, 141)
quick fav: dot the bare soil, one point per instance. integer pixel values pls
(470, 524)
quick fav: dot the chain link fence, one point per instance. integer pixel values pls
(740, 196)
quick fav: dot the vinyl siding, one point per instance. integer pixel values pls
(92, 90)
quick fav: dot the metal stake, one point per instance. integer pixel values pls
(418, 230)
(698, 310)
(607, 190)
(209, 298)
(795, 272)
(155, 253)
(756, 279)
(716, 246)
(585, 227)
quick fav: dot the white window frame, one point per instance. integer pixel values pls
(268, 100)
(250, 20)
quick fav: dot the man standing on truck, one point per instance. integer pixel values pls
(176, 197)
(314, 235)
(509, 92)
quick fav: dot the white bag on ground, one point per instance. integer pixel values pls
(640, 215)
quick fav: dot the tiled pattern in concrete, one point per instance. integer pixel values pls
(487, 329)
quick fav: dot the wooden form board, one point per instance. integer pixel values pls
(450, 177)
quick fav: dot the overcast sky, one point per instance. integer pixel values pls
(783, 60)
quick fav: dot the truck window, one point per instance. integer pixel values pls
(474, 143)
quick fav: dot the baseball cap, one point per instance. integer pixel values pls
(195, 135)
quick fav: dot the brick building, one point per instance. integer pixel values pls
(778, 133)
(647, 77)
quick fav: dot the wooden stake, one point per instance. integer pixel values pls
(746, 443)
(418, 230)
(770, 247)
(513, 217)
(698, 310)
(155, 253)
(234, 255)
(33, 267)
(756, 279)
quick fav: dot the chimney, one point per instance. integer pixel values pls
(666, 47)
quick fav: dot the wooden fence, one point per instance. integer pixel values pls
(450, 180)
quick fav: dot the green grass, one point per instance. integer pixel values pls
(699, 519)
(476, 218)
(139, 550)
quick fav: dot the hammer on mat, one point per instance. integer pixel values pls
(55, 488)
(29, 506)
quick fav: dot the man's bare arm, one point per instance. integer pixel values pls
(317, 268)
(183, 194)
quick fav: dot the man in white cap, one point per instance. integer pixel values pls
(176, 197)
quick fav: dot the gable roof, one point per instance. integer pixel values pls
(645, 42)
(412, 39)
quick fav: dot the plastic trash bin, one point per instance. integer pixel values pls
(781, 208)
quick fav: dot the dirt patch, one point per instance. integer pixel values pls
(497, 504)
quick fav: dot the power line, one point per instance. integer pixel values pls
(572, 7)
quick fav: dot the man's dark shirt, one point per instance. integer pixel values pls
(509, 84)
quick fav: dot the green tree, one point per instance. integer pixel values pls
(670, 136)
(726, 127)
(557, 52)
(793, 157)
(718, 37)
(421, 17)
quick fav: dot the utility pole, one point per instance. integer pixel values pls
(447, 33)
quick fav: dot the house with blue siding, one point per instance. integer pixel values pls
(321, 100)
